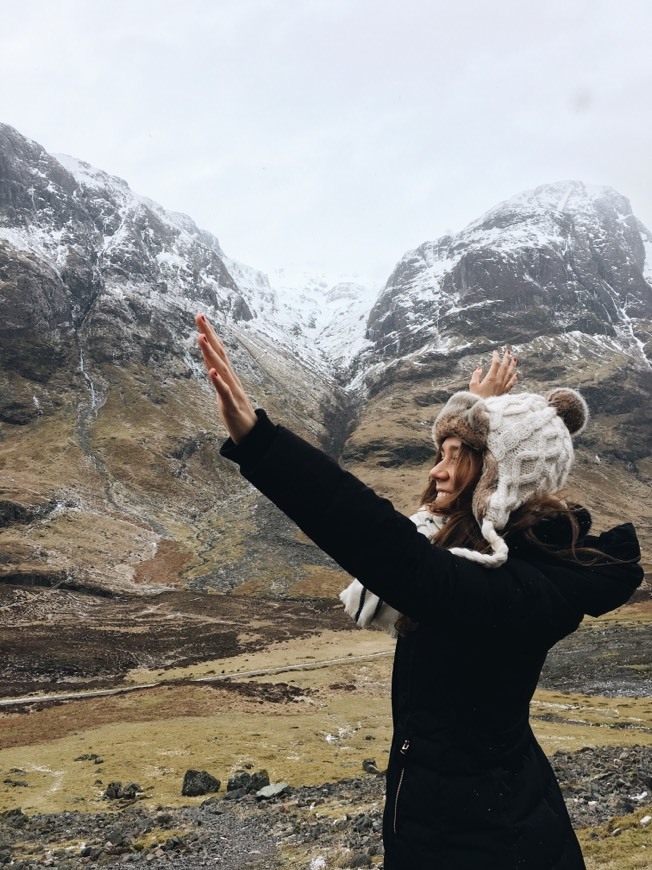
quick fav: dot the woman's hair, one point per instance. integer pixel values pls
(461, 528)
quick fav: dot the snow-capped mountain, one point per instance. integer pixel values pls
(107, 422)
(121, 250)
(563, 260)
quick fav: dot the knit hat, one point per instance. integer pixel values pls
(526, 444)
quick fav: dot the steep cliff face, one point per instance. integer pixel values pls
(561, 259)
(108, 442)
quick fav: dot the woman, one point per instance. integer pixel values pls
(468, 787)
(447, 496)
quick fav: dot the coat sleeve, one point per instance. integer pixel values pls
(372, 541)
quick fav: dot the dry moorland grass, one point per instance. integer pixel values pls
(303, 726)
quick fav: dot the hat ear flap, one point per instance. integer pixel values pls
(571, 407)
(464, 416)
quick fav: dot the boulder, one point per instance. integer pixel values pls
(117, 791)
(241, 779)
(198, 782)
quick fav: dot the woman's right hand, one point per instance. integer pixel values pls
(500, 378)
(232, 401)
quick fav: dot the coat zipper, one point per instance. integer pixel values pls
(403, 751)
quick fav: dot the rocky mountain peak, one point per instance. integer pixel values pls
(559, 259)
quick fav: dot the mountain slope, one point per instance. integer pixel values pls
(107, 420)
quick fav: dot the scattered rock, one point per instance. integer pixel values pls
(198, 782)
(115, 837)
(116, 791)
(369, 766)
(235, 794)
(212, 805)
(232, 836)
(242, 779)
(15, 818)
(273, 790)
(259, 781)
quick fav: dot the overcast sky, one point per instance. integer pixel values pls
(334, 135)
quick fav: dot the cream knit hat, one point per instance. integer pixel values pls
(526, 443)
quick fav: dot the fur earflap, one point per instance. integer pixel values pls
(464, 416)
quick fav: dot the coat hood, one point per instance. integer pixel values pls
(611, 573)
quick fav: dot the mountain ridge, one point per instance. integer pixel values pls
(107, 420)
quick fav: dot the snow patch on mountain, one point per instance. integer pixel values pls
(564, 257)
(321, 323)
(647, 266)
(324, 321)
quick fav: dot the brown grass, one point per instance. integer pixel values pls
(165, 567)
(320, 582)
(622, 844)
(153, 736)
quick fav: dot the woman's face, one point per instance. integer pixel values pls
(445, 473)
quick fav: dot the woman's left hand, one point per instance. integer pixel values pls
(232, 401)
(500, 378)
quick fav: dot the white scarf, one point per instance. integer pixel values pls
(368, 609)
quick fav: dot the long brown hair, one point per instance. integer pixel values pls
(461, 528)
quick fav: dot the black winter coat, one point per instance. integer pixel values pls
(468, 787)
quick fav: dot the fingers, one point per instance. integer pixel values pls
(475, 377)
(495, 364)
(225, 400)
(233, 403)
(510, 383)
(504, 364)
(500, 377)
(214, 353)
(210, 342)
(506, 375)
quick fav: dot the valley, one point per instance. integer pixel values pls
(157, 615)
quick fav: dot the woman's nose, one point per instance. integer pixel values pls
(437, 472)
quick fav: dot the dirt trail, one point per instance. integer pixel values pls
(121, 690)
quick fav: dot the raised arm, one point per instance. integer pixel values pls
(358, 528)
(348, 518)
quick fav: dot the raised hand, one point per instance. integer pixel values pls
(500, 378)
(232, 402)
